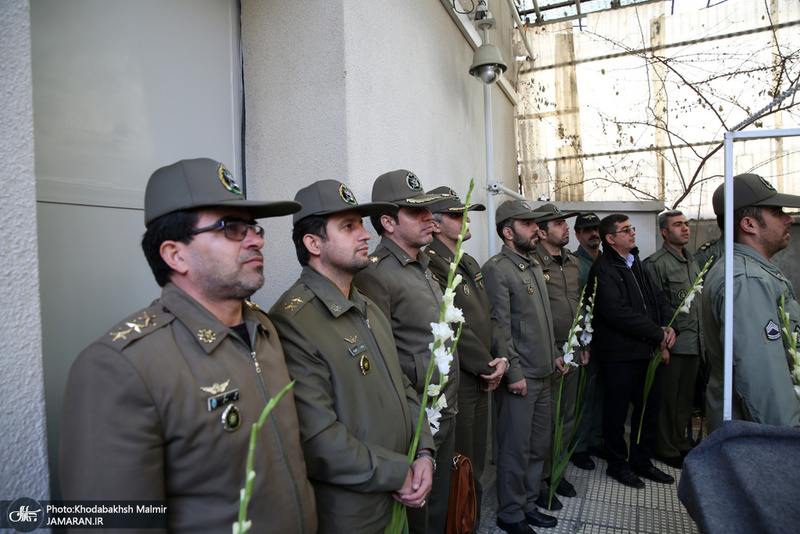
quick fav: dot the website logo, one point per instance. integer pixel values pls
(25, 515)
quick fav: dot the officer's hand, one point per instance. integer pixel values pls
(670, 337)
(417, 484)
(665, 357)
(584, 357)
(493, 380)
(560, 366)
(519, 388)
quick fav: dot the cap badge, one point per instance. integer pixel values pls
(347, 195)
(227, 180)
(524, 204)
(216, 388)
(767, 184)
(589, 216)
(231, 418)
(413, 182)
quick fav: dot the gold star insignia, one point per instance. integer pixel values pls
(135, 326)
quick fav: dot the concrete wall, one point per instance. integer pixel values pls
(358, 89)
(23, 454)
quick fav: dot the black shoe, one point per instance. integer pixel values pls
(582, 460)
(626, 477)
(655, 474)
(565, 489)
(544, 496)
(672, 461)
(538, 519)
(598, 452)
(520, 527)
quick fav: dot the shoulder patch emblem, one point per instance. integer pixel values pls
(772, 331)
(135, 326)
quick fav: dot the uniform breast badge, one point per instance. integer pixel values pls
(366, 367)
(231, 418)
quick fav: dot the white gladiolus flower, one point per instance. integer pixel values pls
(442, 357)
(441, 332)
(449, 296)
(433, 419)
(586, 336)
(453, 315)
(434, 389)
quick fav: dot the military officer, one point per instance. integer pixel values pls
(588, 440)
(762, 386)
(562, 274)
(715, 248)
(482, 353)
(160, 408)
(399, 281)
(357, 410)
(518, 293)
(675, 270)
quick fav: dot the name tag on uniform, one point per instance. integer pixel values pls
(222, 399)
(355, 350)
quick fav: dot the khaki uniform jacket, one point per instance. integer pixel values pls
(586, 263)
(358, 412)
(564, 288)
(409, 295)
(519, 297)
(715, 247)
(762, 386)
(138, 426)
(675, 274)
(482, 338)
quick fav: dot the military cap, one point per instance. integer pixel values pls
(451, 203)
(202, 183)
(332, 196)
(516, 209)
(553, 213)
(586, 220)
(403, 188)
(753, 190)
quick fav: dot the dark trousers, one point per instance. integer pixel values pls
(624, 383)
(432, 518)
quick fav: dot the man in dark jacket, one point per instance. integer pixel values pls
(630, 312)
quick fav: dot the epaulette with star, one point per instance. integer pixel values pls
(705, 245)
(137, 326)
(295, 301)
(379, 254)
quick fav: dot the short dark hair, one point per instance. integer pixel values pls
(507, 223)
(313, 224)
(542, 225)
(608, 224)
(754, 212)
(663, 220)
(376, 220)
(175, 226)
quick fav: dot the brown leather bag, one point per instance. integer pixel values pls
(462, 509)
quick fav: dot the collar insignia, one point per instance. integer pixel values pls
(206, 336)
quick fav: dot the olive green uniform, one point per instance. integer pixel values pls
(517, 289)
(762, 386)
(410, 297)
(357, 410)
(586, 263)
(563, 283)
(481, 341)
(715, 247)
(161, 409)
(675, 273)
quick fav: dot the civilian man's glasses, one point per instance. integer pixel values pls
(233, 230)
(627, 230)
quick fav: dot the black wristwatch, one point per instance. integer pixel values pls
(429, 456)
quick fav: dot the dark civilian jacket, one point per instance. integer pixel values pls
(630, 310)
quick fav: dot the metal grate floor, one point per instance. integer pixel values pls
(604, 506)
